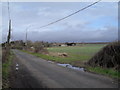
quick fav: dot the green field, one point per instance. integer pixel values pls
(76, 53)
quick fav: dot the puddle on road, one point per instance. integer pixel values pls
(72, 67)
(69, 66)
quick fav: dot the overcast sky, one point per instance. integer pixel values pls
(95, 24)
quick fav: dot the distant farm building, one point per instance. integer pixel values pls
(63, 44)
(71, 44)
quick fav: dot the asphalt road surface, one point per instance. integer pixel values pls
(34, 72)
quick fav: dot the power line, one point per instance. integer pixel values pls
(70, 14)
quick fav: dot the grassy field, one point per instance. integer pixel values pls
(76, 53)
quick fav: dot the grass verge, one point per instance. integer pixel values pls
(104, 71)
(6, 70)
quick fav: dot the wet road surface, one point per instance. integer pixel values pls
(34, 72)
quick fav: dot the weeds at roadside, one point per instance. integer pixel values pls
(6, 70)
(104, 71)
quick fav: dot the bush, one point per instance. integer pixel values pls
(107, 57)
(38, 47)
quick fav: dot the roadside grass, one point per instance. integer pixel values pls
(104, 71)
(6, 67)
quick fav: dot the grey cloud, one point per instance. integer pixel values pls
(75, 28)
(77, 36)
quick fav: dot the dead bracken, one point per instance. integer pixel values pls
(64, 54)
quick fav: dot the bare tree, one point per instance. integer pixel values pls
(38, 46)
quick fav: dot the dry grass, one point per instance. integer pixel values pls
(58, 54)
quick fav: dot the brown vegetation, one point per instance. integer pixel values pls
(5, 54)
(107, 57)
(58, 54)
(37, 47)
(4, 58)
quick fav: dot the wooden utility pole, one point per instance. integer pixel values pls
(8, 40)
(26, 39)
(27, 35)
(9, 34)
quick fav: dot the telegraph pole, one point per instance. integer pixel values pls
(26, 38)
(9, 34)
(27, 35)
